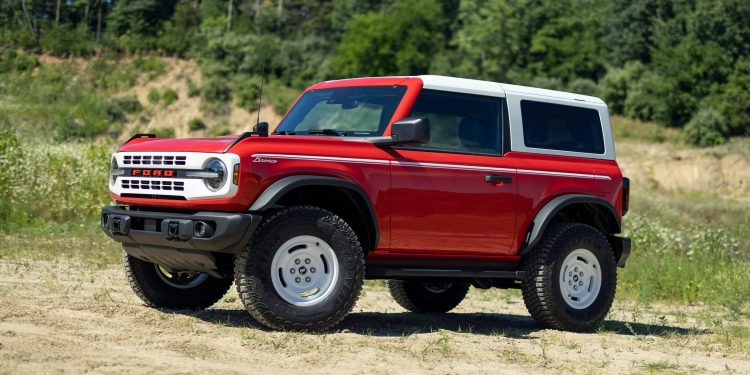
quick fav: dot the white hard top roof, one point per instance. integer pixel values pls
(487, 88)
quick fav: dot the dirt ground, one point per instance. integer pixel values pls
(66, 317)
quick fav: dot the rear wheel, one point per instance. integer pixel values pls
(303, 270)
(571, 278)
(428, 296)
(160, 287)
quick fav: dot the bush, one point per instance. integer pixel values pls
(196, 124)
(153, 96)
(735, 100)
(215, 91)
(583, 86)
(547, 83)
(128, 103)
(111, 76)
(706, 128)
(152, 65)
(616, 85)
(192, 89)
(169, 96)
(246, 91)
(68, 183)
(163, 132)
(220, 130)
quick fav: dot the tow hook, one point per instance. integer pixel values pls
(117, 224)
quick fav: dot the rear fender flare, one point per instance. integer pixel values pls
(548, 212)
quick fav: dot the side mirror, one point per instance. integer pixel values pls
(261, 129)
(411, 130)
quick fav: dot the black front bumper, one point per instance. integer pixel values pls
(168, 238)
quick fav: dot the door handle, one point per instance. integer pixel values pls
(495, 179)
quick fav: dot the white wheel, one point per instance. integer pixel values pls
(304, 270)
(580, 279)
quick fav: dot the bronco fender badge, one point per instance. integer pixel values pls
(259, 159)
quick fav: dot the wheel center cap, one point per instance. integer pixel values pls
(302, 270)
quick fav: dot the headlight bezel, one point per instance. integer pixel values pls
(211, 167)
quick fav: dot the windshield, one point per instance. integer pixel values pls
(346, 111)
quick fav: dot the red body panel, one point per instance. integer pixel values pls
(426, 203)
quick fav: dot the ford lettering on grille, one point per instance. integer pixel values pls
(152, 172)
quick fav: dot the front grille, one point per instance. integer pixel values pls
(154, 159)
(153, 185)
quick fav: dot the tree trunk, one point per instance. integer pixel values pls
(57, 13)
(32, 26)
(229, 15)
(99, 21)
(86, 14)
(280, 11)
(257, 16)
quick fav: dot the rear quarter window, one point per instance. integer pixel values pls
(561, 127)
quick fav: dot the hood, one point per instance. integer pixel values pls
(216, 144)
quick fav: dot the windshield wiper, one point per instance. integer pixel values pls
(327, 132)
(284, 132)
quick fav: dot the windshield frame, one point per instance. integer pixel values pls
(383, 125)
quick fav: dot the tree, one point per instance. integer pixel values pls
(400, 40)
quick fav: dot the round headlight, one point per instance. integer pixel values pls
(218, 167)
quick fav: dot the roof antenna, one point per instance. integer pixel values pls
(261, 128)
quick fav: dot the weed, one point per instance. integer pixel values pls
(153, 96)
(660, 366)
(169, 96)
(196, 124)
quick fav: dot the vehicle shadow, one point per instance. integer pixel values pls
(405, 324)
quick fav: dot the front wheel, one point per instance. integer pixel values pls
(303, 270)
(428, 296)
(160, 287)
(571, 278)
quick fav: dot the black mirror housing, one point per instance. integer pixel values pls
(411, 130)
(261, 129)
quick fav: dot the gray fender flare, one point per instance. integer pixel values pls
(278, 189)
(547, 213)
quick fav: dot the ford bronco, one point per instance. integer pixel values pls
(433, 183)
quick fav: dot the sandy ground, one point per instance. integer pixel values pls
(65, 317)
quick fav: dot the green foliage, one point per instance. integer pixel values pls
(735, 100)
(247, 90)
(400, 40)
(68, 183)
(691, 264)
(152, 65)
(14, 61)
(111, 75)
(618, 83)
(163, 132)
(706, 128)
(153, 96)
(583, 86)
(196, 124)
(169, 96)
(192, 88)
(215, 91)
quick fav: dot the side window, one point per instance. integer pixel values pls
(460, 122)
(561, 127)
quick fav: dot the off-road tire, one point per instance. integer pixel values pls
(541, 289)
(414, 296)
(253, 270)
(149, 287)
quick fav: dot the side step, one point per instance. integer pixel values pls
(393, 269)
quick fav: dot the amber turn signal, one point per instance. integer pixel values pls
(236, 174)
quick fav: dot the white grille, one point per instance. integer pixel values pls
(153, 160)
(187, 188)
(153, 185)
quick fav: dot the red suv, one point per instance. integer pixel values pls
(433, 183)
